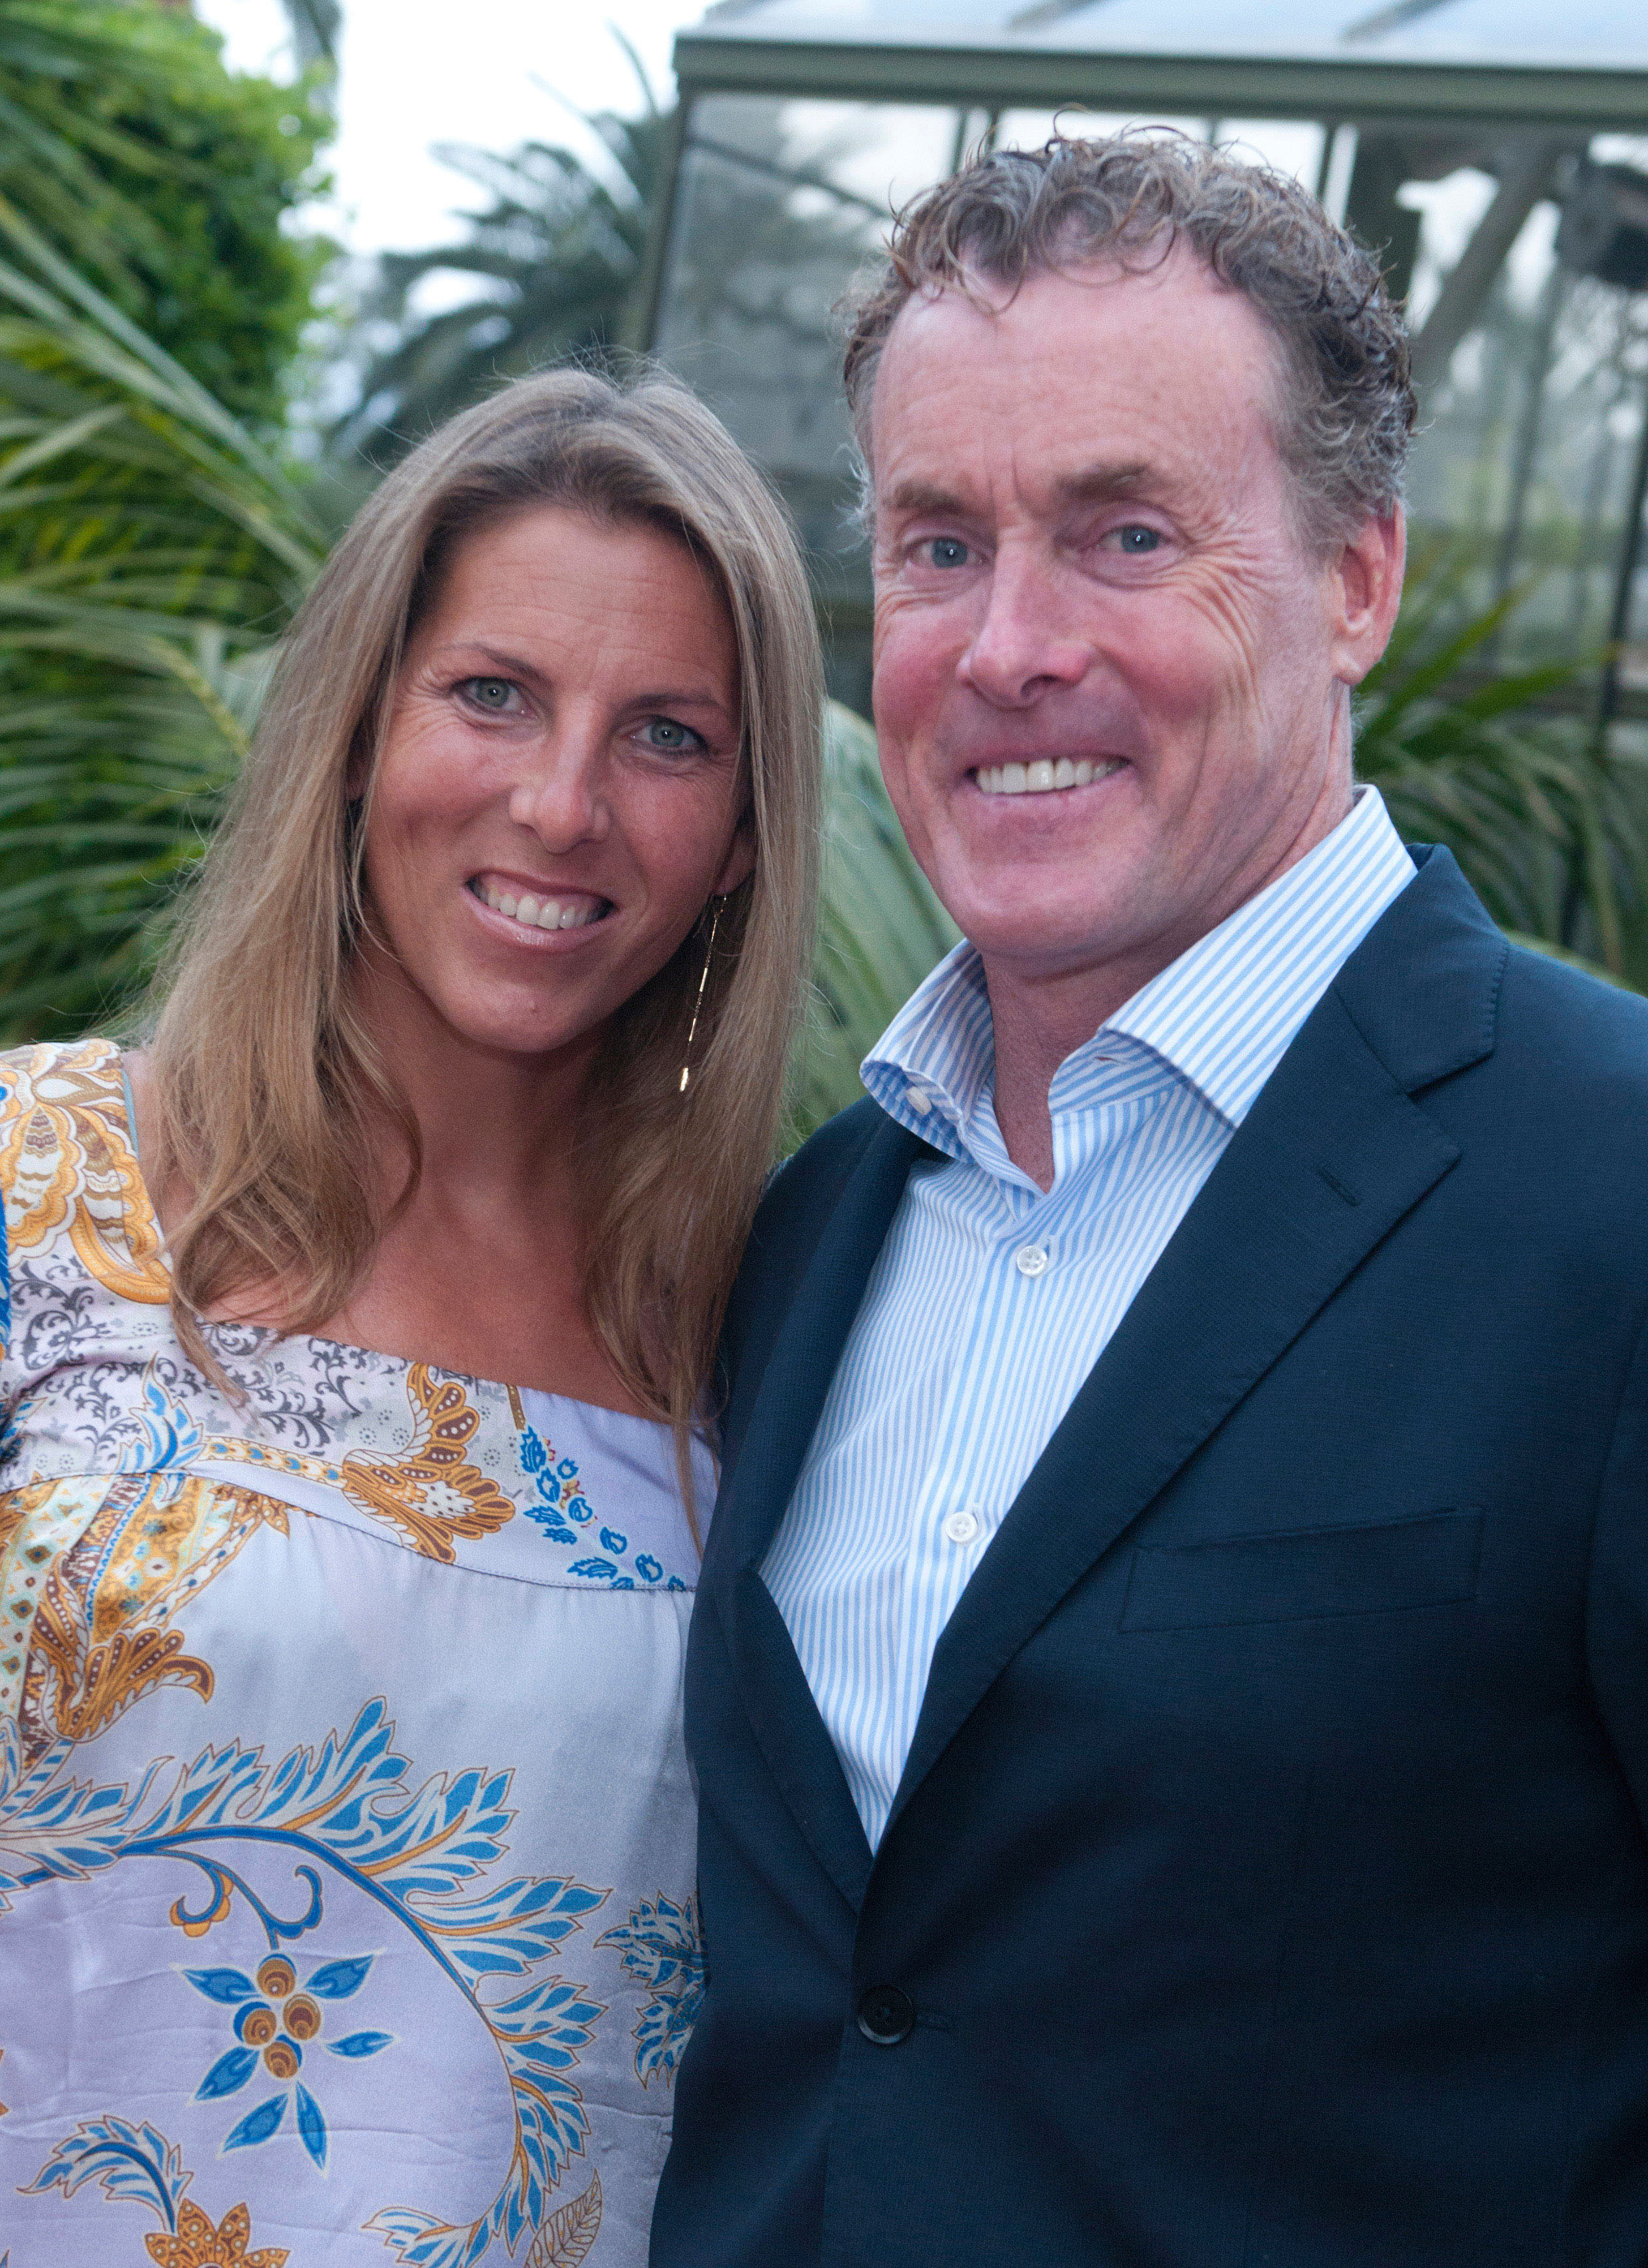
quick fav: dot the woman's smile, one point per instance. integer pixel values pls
(535, 911)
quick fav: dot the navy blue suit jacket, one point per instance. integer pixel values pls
(1268, 1878)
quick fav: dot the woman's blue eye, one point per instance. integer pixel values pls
(665, 733)
(489, 692)
(948, 551)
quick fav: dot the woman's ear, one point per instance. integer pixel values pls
(739, 861)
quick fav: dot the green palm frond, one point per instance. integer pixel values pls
(150, 551)
(880, 928)
(1549, 823)
(555, 257)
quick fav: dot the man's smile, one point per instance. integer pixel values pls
(1046, 776)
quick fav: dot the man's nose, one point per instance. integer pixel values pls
(1025, 645)
(561, 793)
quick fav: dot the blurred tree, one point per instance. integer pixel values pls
(556, 257)
(150, 551)
(149, 307)
(164, 181)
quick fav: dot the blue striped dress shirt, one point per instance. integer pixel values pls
(990, 1301)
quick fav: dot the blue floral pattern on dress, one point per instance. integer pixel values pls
(275, 2021)
(561, 1509)
(661, 1950)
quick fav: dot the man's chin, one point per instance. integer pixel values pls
(1033, 943)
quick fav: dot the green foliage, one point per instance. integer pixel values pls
(164, 181)
(150, 306)
(880, 927)
(149, 549)
(1548, 823)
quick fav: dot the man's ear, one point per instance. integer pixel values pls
(1364, 592)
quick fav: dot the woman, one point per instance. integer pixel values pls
(346, 1845)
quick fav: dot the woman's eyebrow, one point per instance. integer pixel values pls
(507, 665)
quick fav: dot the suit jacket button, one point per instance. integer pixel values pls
(886, 2015)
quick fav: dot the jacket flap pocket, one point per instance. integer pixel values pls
(1429, 1562)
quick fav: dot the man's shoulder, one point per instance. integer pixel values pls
(803, 1192)
(1571, 1037)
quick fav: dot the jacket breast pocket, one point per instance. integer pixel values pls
(1429, 1562)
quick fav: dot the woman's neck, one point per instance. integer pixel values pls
(481, 1269)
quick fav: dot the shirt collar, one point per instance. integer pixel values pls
(1222, 1016)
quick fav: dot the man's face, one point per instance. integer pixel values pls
(1089, 582)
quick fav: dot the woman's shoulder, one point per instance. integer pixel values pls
(70, 1178)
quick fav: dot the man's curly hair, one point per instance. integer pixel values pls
(1347, 404)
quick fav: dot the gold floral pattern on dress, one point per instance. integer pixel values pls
(197, 2245)
(567, 2235)
(110, 1563)
(133, 2163)
(429, 1491)
(67, 1163)
(129, 1482)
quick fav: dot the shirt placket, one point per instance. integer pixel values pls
(965, 1493)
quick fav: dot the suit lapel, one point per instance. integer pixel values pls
(798, 1748)
(1332, 1156)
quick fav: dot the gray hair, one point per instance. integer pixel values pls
(1348, 404)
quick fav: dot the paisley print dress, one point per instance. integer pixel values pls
(346, 1839)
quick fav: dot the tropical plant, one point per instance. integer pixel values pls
(150, 301)
(150, 550)
(880, 927)
(1548, 821)
(165, 182)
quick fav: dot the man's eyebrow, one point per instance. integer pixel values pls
(1093, 484)
(1104, 483)
(926, 497)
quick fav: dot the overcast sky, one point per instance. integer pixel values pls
(415, 72)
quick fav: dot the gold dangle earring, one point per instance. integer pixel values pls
(698, 1005)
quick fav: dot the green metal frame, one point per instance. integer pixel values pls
(1365, 89)
(1322, 89)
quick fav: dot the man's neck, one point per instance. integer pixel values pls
(1037, 1024)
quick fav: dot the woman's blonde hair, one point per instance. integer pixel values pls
(267, 1084)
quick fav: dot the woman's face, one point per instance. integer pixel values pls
(558, 793)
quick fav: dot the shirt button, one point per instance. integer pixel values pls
(886, 2015)
(919, 1100)
(962, 1527)
(1031, 1260)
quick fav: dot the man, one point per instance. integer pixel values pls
(1170, 1689)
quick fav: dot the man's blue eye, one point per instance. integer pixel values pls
(1136, 539)
(947, 551)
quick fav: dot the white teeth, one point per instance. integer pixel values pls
(1044, 776)
(536, 913)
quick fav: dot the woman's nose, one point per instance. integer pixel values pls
(1025, 645)
(560, 795)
